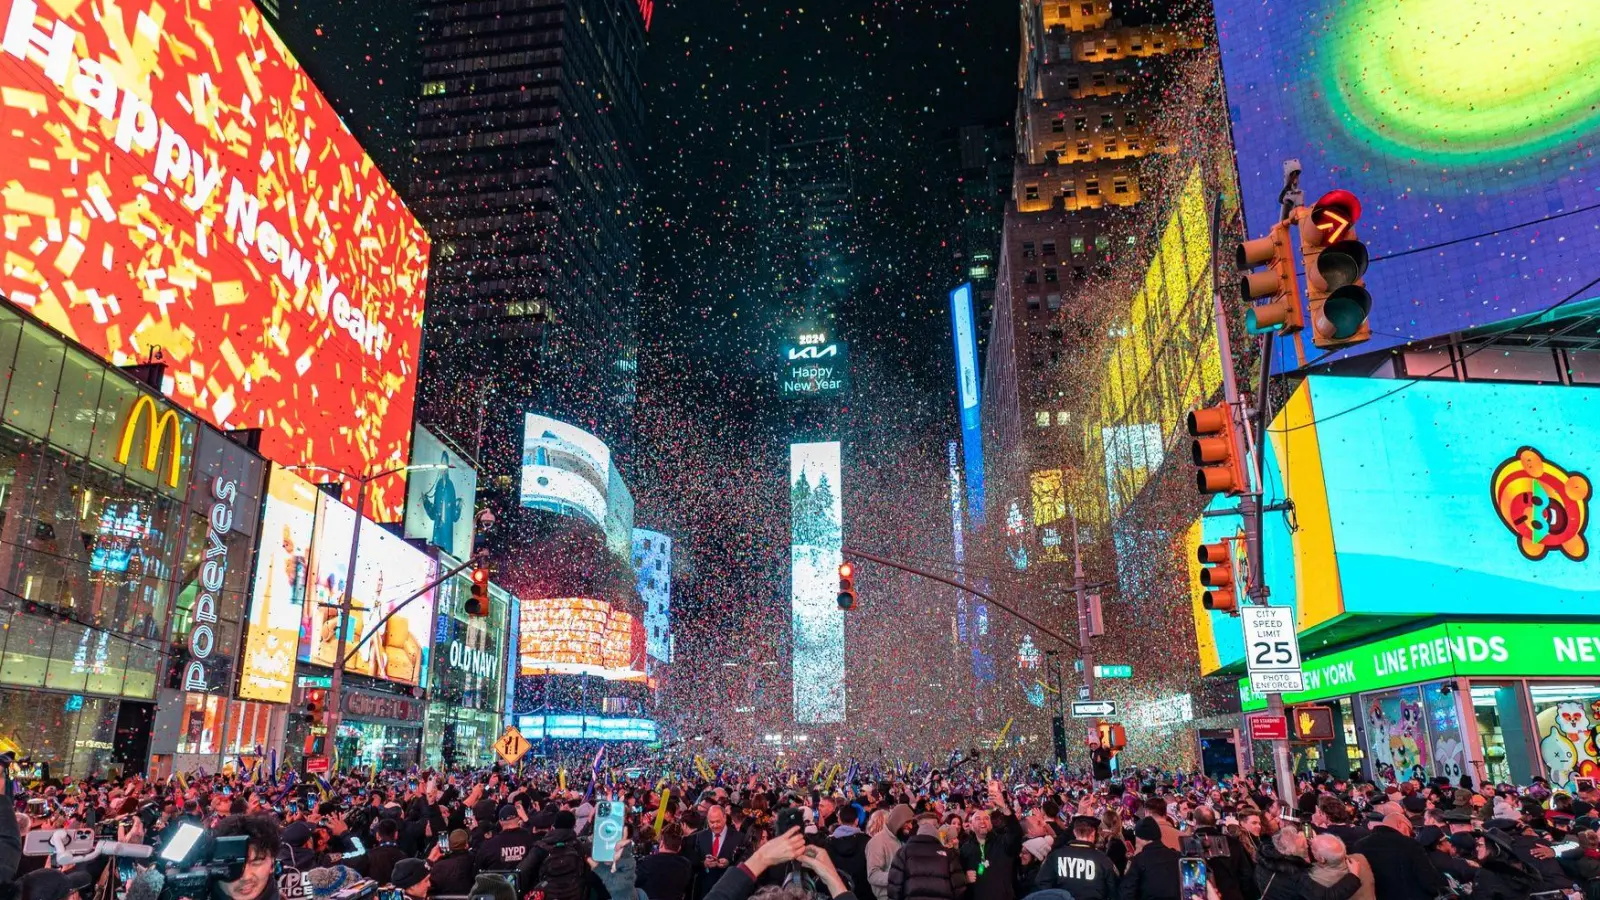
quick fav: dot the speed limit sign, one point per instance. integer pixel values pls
(1272, 651)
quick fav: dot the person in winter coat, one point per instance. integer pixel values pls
(1400, 866)
(1283, 871)
(847, 848)
(453, 872)
(665, 874)
(1153, 872)
(1078, 868)
(924, 869)
(885, 846)
(1232, 873)
(1330, 864)
(989, 855)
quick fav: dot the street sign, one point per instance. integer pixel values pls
(1268, 727)
(1113, 671)
(511, 746)
(316, 764)
(1083, 692)
(1272, 651)
(1094, 709)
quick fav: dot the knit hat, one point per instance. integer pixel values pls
(328, 881)
(489, 886)
(408, 873)
(1148, 829)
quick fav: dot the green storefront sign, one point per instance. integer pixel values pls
(1447, 650)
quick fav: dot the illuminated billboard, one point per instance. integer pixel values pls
(816, 516)
(180, 190)
(1424, 498)
(565, 470)
(439, 502)
(964, 327)
(586, 728)
(277, 602)
(813, 366)
(388, 572)
(580, 636)
(652, 561)
(1470, 144)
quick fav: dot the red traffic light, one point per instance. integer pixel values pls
(1334, 214)
(847, 587)
(478, 598)
(480, 575)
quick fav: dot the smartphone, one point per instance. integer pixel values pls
(37, 843)
(1192, 875)
(607, 830)
(444, 842)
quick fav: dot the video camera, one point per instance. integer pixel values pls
(185, 869)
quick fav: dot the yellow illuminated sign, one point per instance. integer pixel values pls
(159, 423)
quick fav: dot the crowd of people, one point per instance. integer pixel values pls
(699, 833)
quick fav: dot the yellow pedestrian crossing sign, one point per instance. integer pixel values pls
(512, 745)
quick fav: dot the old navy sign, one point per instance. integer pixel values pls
(213, 570)
(471, 660)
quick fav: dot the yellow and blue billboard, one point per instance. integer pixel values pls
(1422, 498)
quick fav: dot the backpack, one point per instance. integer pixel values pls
(564, 875)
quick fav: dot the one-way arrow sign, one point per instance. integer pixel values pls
(1093, 709)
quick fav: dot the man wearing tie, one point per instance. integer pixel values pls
(715, 849)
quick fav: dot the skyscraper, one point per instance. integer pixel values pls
(528, 137)
(811, 227)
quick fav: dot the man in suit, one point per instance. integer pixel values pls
(715, 849)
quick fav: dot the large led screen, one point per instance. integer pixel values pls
(439, 502)
(178, 189)
(580, 636)
(816, 516)
(964, 328)
(1425, 498)
(388, 572)
(283, 564)
(565, 469)
(1468, 135)
(652, 562)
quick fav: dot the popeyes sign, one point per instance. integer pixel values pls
(197, 674)
(176, 181)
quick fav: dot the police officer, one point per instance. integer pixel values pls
(509, 847)
(1077, 867)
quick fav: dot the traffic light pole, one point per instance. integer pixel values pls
(1251, 503)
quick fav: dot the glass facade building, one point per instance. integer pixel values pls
(465, 713)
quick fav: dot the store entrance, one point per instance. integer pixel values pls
(132, 743)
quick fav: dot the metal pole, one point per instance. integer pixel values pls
(1081, 592)
(336, 681)
(1256, 535)
(895, 564)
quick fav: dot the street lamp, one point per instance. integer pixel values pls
(335, 705)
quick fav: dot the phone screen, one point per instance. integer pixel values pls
(1192, 872)
(177, 850)
(444, 843)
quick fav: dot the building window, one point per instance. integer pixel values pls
(1088, 9)
(1089, 48)
(1083, 148)
(1027, 250)
(1107, 120)
(1079, 273)
(1137, 47)
(1077, 245)
(1092, 187)
(1064, 11)
(1032, 277)
(1160, 44)
(1133, 145)
(1074, 83)
(1130, 120)
(1049, 248)
(432, 88)
(1102, 243)
(1053, 301)
(1042, 418)
(1079, 123)
(1062, 417)
(1058, 125)
(1033, 303)
(1124, 78)
(1069, 189)
(1032, 191)
(1050, 275)
(1111, 145)
(1119, 185)
(1100, 80)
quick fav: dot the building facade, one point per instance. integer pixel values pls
(467, 695)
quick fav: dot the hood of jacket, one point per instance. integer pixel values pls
(1270, 859)
(897, 819)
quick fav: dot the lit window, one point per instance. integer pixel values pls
(1083, 148)
(1102, 242)
(1092, 188)
(1119, 185)
(432, 88)
(1032, 191)
(1042, 418)
(1088, 9)
(1062, 416)
(1107, 120)
(1077, 245)
(1111, 145)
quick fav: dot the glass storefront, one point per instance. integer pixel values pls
(390, 747)
(1566, 720)
(1499, 715)
(464, 713)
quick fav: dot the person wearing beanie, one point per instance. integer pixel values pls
(883, 847)
(411, 876)
(924, 869)
(328, 881)
(487, 886)
(453, 870)
(1153, 872)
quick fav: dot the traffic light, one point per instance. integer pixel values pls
(847, 587)
(478, 601)
(315, 706)
(1215, 451)
(1275, 284)
(1217, 578)
(1335, 262)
